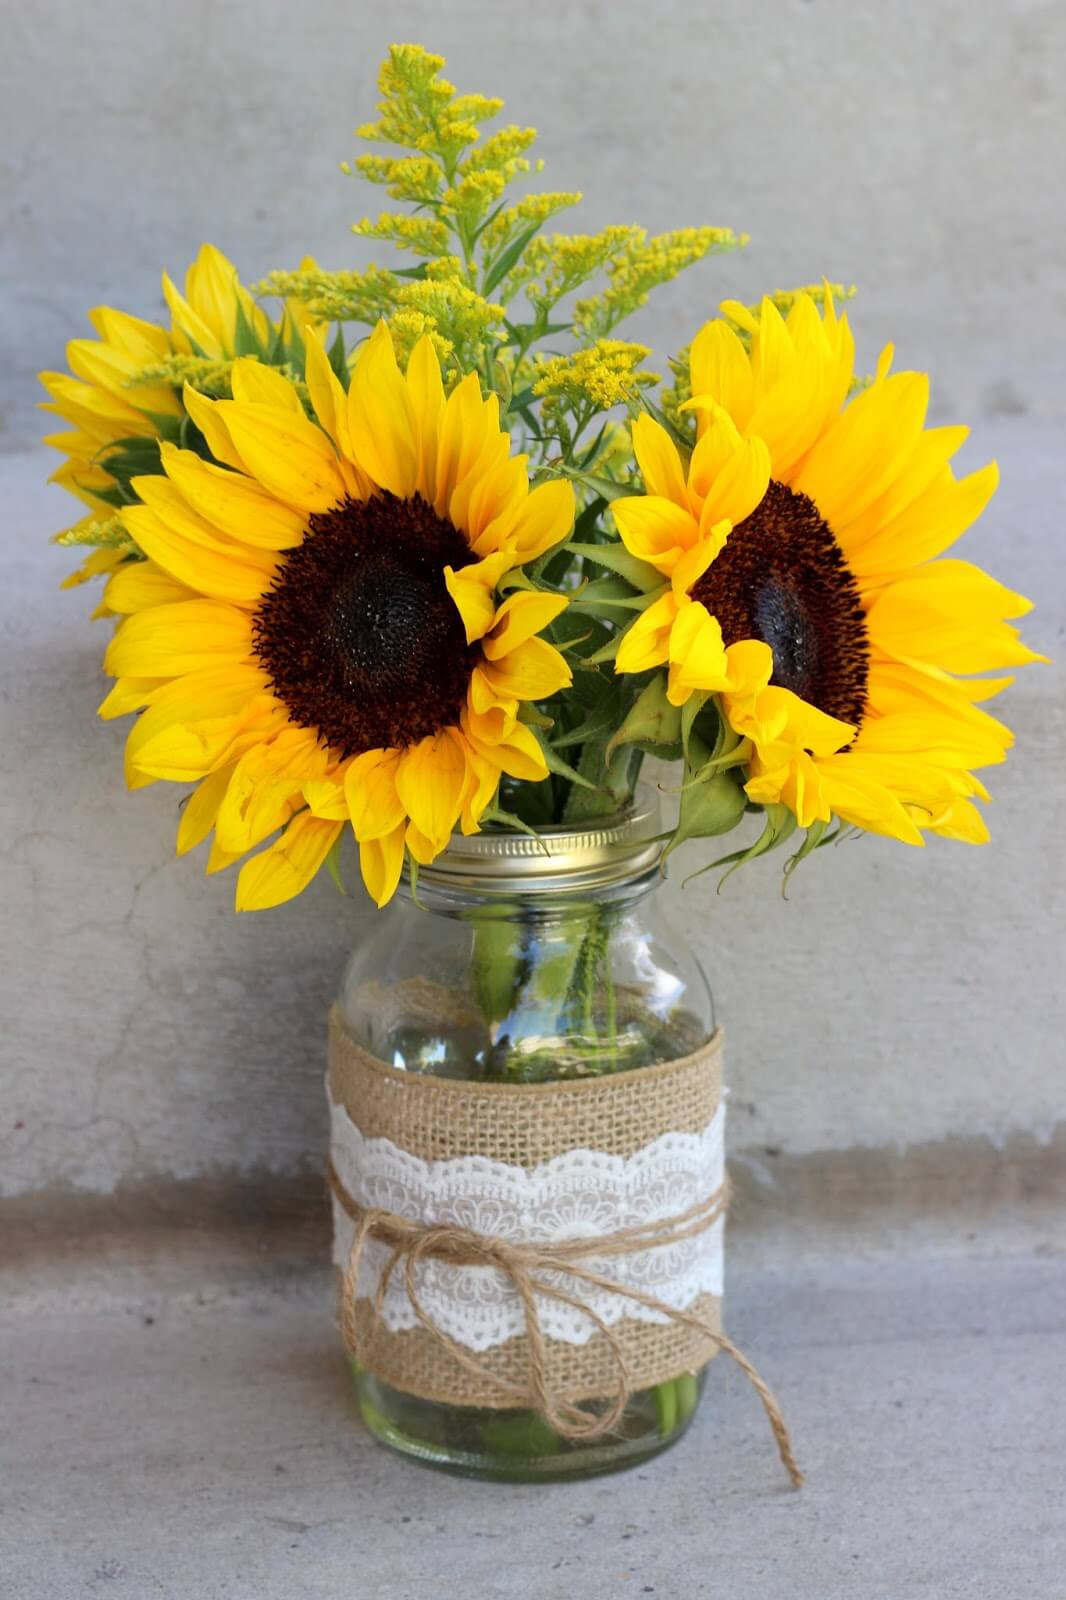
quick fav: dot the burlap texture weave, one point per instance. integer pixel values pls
(523, 1125)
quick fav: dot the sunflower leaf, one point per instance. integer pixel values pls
(780, 825)
(333, 863)
(606, 487)
(816, 835)
(561, 768)
(337, 355)
(245, 341)
(510, 819)
(602, 719)
(689, 712)
(641, 574)
(709, 806)
(651, 720)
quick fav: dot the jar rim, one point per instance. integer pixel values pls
(560, 855)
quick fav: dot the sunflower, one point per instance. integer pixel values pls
(116, 414)
(801, 547)
(316, 635)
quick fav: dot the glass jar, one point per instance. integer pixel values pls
(526, 959)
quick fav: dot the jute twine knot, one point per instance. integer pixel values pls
(533, 1269)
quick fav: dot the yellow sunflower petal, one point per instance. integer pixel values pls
(136, 338)
(280, 873)
(232, 503)
(256, 804)
(951, 614)
(213, 703)
(211, 423)
(516, 752)
(252, 383)
(520, 617)
(495, 502)
(217, 574)
(287, 454)
(381, 417)
(128, 694)
(738, 486)
(858, 799)
(381, 862)
(483, 779)
(430, 778)
(116, 370)
(472, 590)
(330, 401)
(426, 389)
(168, 640)
(543, 520)
(867, 448)
(719, 366)
(646, 642)
(961, 821)
(201, 808)
(374, 803)
(189, 328)
(532, 670)
(655, 530)
(468, 428)
(696, 654)
(326, 797)
(659, 461)
(137, 584)
(926, 527)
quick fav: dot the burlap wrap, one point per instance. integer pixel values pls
(526, 1124)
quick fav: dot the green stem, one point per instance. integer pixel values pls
(666, 1407)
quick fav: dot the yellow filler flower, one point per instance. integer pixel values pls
(315, 634)
(801, 544)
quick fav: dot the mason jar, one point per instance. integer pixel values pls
(528, 959)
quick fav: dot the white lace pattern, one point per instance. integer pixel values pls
(580, 1194)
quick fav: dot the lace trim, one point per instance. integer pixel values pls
(580, 1194)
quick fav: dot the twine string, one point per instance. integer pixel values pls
(528, 1267)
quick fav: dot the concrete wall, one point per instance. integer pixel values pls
(900, 999)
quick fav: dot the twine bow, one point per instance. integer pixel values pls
(526, 1265)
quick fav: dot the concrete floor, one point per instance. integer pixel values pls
(176, 1424)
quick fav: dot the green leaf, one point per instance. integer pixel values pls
(246, 342)
(684, 445)
(607, 597)
(815, 836)
(616, 558)
(509, 819)
(523, 334)
(333, 863)
(651, 720)
(780, 825)
(590, 454)
(561, 768)
(338, 357)
(689, 712)
(709, 806)
(602, 486)
(602, 720)
(507, 258)
(730, 750)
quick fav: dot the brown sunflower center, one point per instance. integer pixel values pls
(782, 578)
(359, 635)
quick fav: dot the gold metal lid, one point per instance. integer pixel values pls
(562, 856)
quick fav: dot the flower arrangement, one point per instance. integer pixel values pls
(429, 547)
(424, 551)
